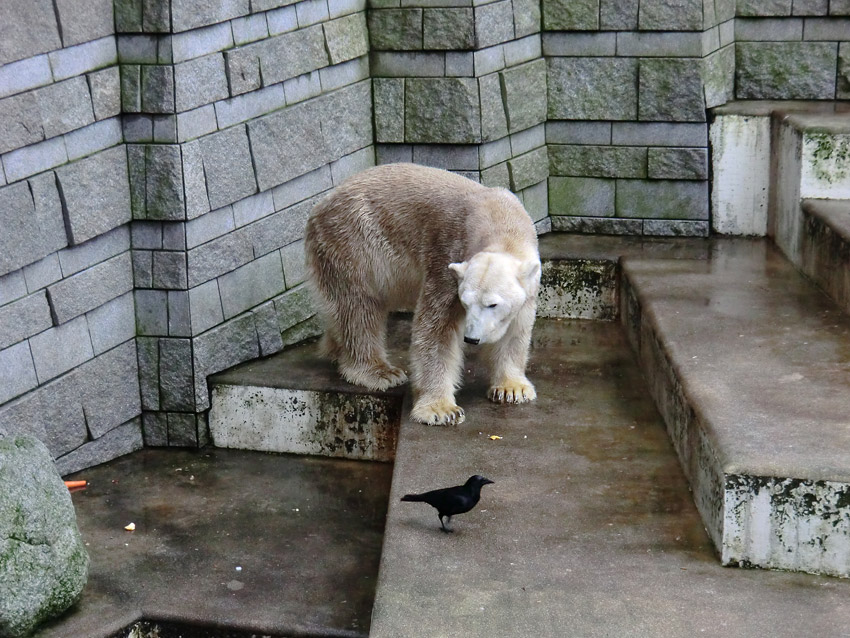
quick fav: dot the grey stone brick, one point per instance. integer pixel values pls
(105, 89)
(593, 88)
(34, 159)
(156, 16)
(524, 91)
(249, 29)
(581, 196)
(214, 224)
(662, 199)
(596, 133)
(61, 348)
(785, 70)
(724, 10)
(169, 270)
(196, 123)
(243, 69)
(772, 29)
(151, 312)
(279, 229)
(338, 8)
(174, 236)
(194, 181)
(20, 122)
(228, 166)
(268, 332)
(12, 286)
(448, 28)
(137, 128)
(535, 199)
(669, 44)
(580, 44)
(494, 120)
(597, 225)
(82, 58)
(26, 74)
(618, 15)
(250, 105)
(31, 209)
(408, 64)
(165, 129)
(526, 17)
(142, 268)
(670, 15)
(528, 140)
(277, 62)
(494, 152)
(199, 81)
(155, 429)
(139, 48)
(303, 187)
(205, 307)
(302, 87)
(677, 163)
(179, 318)
(346, 38)
(389, 153)
(189, 14)
(460, 64)
(528, 169)
(454, 157)
(157, 88)
(147, 353)
(17, 374)
(124, 439)
(95, 194)
(388, 97)
(103, 247)
(96, 137)
(764, 7)
(146, 235)
(527, 49)
(842, 89)
(496, 176)
(251, 284)
(570, 15)
(719, 77)
(282, 20)
(675, 228)
(246, 211)
(597, 161)
(287, 144)
(222, 347)
(395, 29)
(24, 318)
(42, 273)
(182, 429)
(311, 11)
(177, 384)
(839, 7)
(91, 288)
(131, 88)
(494, 23)
(671, 90)
(294, 268)
(659, 134)
(442, 110)
(218, 257)
(340, 75)
(827, 29)
(353, 163)
(112, 323)
(293, 307)
(29, 29)
(203, 41)
(489, 60)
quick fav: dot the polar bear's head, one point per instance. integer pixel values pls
(492, 288)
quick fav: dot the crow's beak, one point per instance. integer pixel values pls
(487, 482)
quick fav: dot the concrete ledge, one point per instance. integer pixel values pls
(825, 255)
(748, 363)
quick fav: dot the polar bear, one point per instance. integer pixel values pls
(462, 255)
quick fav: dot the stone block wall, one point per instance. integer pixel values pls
(237, 118)
(68, 367)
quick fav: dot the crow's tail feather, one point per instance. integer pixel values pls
(412, 497)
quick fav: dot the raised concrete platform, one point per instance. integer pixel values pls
(749, 364)
(228, 544)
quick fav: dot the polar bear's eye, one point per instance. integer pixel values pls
(492, 305)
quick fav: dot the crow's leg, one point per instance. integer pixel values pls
(443, 527)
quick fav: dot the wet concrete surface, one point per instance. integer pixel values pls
(589, 530)
(272, 544)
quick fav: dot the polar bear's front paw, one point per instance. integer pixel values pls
(438, 412)
(378, 377)
(512, 391)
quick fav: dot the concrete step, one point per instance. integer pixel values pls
(749, 364)
(825, 254)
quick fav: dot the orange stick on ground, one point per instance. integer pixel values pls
(72, 484)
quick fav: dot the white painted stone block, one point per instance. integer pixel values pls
(741, 164)
(355, 426)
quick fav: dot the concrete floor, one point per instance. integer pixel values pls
(273, 544)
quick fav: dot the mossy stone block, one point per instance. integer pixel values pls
(763, 8)
(524, 89)
(597, 161)
(785, 70)
(671, 90)
(449, 29)
(346, 38)
(662, 199)
(528, 169)
(570, 15)
(677, 163)
(395, 29)
(670, 15)
(442, 110)
(582, 196)
(494, 120)
(388, 96)
(602, 88)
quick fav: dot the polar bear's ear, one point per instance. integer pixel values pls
(459, 269)
(529, 274)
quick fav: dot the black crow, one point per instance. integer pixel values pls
(452, 500)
